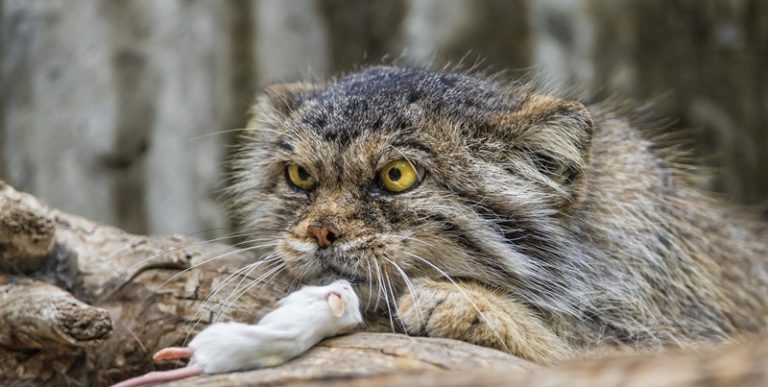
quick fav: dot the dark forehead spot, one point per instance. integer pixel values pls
(330, 135)
(340, 137)
(413, 96)
(377, 123)
(316, 119)
(354, 106)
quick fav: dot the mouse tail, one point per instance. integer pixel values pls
(161, 376)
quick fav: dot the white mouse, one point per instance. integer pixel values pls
(300, 321)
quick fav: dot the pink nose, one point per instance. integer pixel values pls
(325, 234)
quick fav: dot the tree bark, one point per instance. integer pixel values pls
(84, 304)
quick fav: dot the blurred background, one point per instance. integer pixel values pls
(122, 110)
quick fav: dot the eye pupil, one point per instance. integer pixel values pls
(303, 174)
(394, 174)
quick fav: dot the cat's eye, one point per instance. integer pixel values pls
(299, 177)
(398, 176)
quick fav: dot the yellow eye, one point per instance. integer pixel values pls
(299, 177)
(398, 176)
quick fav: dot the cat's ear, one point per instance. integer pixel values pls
(281, 99)
(337, 304)
(287, 97)
(554, 136)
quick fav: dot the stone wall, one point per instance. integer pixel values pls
(122, 110)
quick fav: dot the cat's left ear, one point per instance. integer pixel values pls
(554, 136)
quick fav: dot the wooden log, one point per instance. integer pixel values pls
(104, 301)
(26, 235)
(137, 285)
(147, 293)
(35, 315)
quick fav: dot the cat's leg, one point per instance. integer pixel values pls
(472, 313)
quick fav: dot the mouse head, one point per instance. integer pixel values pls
(344, 303)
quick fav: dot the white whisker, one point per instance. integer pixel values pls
(208, 299)
(158, 255)
(237, 251)
(386, 297)
(263, 280)
(410, 287)
(394, 301)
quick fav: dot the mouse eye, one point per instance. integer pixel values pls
(298, 177)
(398, 176)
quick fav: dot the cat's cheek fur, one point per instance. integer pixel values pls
(470, 312)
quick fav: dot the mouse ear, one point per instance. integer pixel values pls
(338, 305)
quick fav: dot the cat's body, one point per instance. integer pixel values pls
(560, 226)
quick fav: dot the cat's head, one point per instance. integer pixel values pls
(390, 172)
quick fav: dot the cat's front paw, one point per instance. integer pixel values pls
(472, 313)
(433, 309)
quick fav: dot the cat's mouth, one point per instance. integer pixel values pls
(333, 264)
(336, 262)
(340, 272)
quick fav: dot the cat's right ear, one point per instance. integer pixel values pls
(554, 136)
(280, 100)
(287, 97)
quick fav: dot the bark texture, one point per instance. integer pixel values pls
(87, 304)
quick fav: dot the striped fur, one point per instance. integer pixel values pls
(543, 227)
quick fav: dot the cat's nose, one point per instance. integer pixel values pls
(325, 233)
